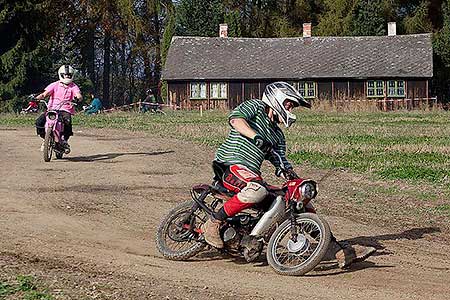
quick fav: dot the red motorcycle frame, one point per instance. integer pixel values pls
(295, 240)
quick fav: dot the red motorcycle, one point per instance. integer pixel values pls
(295, 240)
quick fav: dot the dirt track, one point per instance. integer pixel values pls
(85, 226)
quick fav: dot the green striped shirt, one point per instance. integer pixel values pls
(238, 149)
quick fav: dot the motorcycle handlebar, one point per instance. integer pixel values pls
(60, 104)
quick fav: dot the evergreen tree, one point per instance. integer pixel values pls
(199, 17)
(368, 18)
(442, 40)
(442, 56)
(418, 21)
(336, 18)
(24, 50)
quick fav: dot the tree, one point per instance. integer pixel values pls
(199, 17)
(336, 19)
(24, 51)
(442, 55)
(368, 18)
(418, 21)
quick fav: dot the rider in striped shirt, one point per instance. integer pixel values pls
(254, 134)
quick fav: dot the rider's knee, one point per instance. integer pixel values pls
(254, 192)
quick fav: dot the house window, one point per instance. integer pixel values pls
(198, 90)
(375, 88)
(396, 88)
(218, 90)
(307, 89)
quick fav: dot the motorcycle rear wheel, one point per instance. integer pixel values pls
(49, 142)
(291, 258)
(176, 238)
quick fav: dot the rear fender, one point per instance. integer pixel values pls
(199, 188)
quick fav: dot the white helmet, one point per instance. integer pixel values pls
(276, 94)
(65, 74)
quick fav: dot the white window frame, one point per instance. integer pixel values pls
(218, 90)
(375, 88)
(198, 90)
(395, 88)
(307, 89)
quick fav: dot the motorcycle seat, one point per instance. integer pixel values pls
(221, 189)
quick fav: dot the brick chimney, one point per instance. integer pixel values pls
(392, 28)
(223, 30)
(306, 30)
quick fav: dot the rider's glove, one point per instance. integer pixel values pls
(290, 174)
(279, 172)
(262, 144)
(286, 174)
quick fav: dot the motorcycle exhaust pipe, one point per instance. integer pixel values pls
(275, 212)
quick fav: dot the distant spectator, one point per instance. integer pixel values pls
(149, 102)
(94, 107)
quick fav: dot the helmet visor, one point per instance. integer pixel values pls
(66, 75)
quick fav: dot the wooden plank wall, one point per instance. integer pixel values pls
(238, 91)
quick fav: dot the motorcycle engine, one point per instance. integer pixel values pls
(239, 226)
(231, 239)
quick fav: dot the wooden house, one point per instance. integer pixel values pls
(221, 72)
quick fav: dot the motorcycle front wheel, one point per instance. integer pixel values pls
(178, 237)
(49, 142)
(297, 255)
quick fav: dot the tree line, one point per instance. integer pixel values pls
(119, 46)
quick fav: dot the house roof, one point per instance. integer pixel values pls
(197, 58)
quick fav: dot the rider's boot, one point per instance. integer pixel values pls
(42, 146)
(350, 254)
(65, 145)
(211, 232)
(211, 228)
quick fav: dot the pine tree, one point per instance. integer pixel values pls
(368, 18)
(418, 21)
(336, 18)
(442, 56)
(199, 17)
(24, 50)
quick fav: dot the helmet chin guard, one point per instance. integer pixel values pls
(276, 94)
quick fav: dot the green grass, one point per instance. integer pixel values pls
(25, 287)
(443, 209)
(413, 146)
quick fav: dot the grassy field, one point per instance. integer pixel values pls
(405, 151)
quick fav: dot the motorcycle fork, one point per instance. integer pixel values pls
(293, 218)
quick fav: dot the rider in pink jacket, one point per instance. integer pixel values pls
(59, 91)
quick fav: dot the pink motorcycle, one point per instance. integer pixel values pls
(54, 128)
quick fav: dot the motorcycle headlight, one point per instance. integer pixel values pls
(308, 190)
(51, 115)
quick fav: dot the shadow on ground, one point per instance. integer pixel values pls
(410, 234)
(108, 156)
(330, 266)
